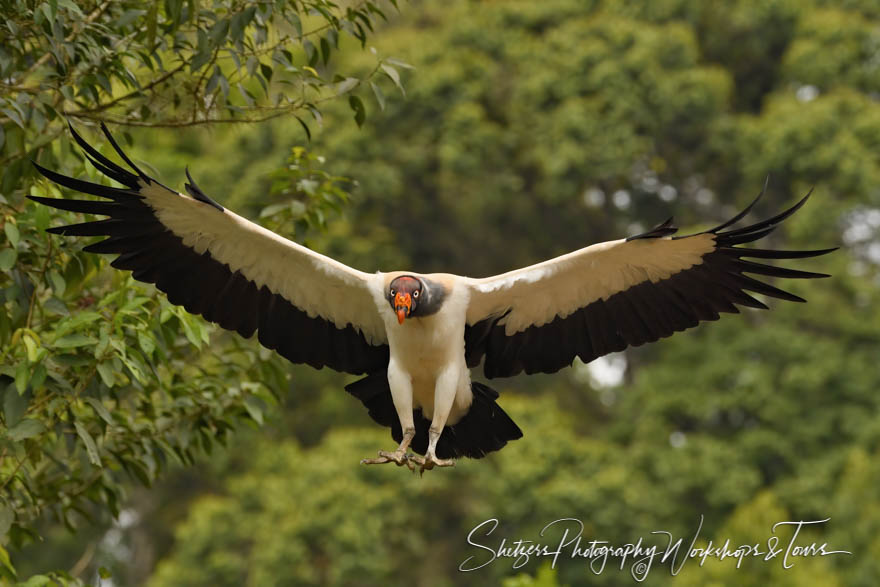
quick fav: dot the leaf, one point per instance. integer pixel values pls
(173, 9)
(13, 115)
(7, 516)
(135, 367)
(12, 233)
(316, 114)
(71, 6)
(311, 53)
(190, 330)
(395, 77)
(139, 472)
(4, 558)
(200, 59)
(14, 406)
(325, 50)
(346, 85)
(152, 18)
(305, 127)
(38, 581)
(213, 80)
(360, 113)
(31, 347)
(7, 259)
(100, 409)
(56, 306)
(266, 70)
(399, 63)
(251, 65)
(248, 97)
(74, 340)
(105, 370)
(218, 31)
(104, 82)
(224, 85)
(380, 97)
(293, 18)
(274, 209)
(91, 447)
(308, 186)
(58, 283)
(39, 376)
(128, 17)
(27, 428)
(254, 407)
(145, 341)
(42, 217)
(76, 321)
(22, 376)
(134, 304)
(103, 343)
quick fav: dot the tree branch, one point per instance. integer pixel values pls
(102, 107)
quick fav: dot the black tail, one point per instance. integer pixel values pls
(485, 428)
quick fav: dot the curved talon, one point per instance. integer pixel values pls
(429, 461)
(398, 457)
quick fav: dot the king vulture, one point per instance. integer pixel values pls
(417, 336)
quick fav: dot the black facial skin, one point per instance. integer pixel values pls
(427, 296)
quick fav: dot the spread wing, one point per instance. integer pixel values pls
(308, 307)
(608, 296)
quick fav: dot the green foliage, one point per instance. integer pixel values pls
(545, 577)
(529, 129)
(102, 381)
(176, 63)
(306, 193)
(102, 377)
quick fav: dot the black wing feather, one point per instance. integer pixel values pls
(197, 281)
(649, 310)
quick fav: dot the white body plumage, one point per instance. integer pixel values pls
(427, 369)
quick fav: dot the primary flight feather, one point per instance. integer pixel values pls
(416, 336)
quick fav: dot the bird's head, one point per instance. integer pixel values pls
(404, 294)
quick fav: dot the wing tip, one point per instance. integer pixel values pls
(62, 230)
(196, 192)
(664, 229)
(41, 199)
(757, 230)
(143, 176)
(42, 170)
(742, 213)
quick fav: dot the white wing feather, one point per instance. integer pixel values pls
(317, 284)
(537, 294)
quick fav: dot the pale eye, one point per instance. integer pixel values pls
(415, 294)
(392, 293)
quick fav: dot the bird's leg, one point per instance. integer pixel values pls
(401, 393)
(444, 396)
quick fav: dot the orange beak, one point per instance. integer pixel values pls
(403, 306)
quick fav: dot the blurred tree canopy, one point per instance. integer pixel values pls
(531, 129)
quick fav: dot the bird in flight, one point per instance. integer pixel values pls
(416, 336)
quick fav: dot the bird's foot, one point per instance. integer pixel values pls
(429, 461)
(399, 457)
